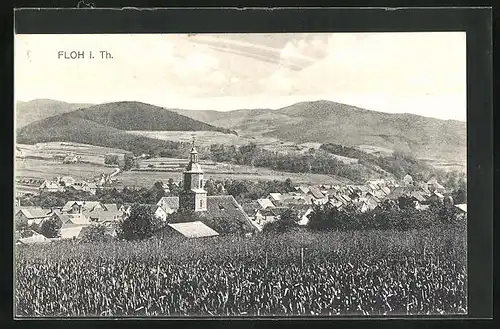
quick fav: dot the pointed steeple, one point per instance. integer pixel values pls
(193, 155)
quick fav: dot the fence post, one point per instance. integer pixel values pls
(302, 257)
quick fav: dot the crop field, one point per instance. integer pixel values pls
(164, 168)
(88, 153)
(50, 168)
(206, 138)
(298, 273)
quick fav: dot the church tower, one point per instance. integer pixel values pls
(193, 197)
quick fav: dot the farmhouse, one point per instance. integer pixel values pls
(32, 215)
(77, 207)
(169, 204)
(31, 237)
(51, 186)
(265, 203)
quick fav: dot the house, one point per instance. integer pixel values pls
(434, 186)
(157, 211)
(105, 216)
(32, 238)
(407, 180)
(192, 230)
(302, 190)
(75, 207)
(71, 233)
(66, 181)
(169, 204)
(76, 220)
(51, 186)
(319, 198)
(265, 203)
(32, 215)
(275, 197)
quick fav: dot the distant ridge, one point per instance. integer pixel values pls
(38, 109)
(317, 122)
(330, 122)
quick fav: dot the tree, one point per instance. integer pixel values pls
(287, 221)
(95, 233)
(128, 161)
(111, 159)
(158, 191)
(142, 223)
(210, 187)
(50, 228)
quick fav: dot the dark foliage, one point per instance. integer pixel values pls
(140, 224)
(50, 228)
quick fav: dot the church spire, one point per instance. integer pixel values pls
(193, 155)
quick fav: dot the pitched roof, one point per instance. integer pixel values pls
(78, 220)
(276, 196)
(316, 193)
(111, 207)
(171, 201)
(225, 207)
(462, 206)
(103, 215)
(87, 205)
(268, 212)
(70, 232)
(302, 189)
(265, 203)
(193, 229)
(417, 195)
(35, 238)
(34, 212)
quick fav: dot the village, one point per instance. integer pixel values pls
(77, 216)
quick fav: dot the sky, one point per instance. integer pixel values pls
(420, 73)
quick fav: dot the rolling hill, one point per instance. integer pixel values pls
(141, 116)
(330, 122)
(107, 125)
(38, 109)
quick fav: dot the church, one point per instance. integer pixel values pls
(221, 212)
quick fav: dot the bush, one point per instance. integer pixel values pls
(141, 224)
(95, 233)
(111, 159)
(50, 228)
(287, 221)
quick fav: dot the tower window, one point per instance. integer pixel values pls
(201, 203)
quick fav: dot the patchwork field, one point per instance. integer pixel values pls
(206, 138)
(41, 161)
(57, 150)
(145, 178)
(49, 168)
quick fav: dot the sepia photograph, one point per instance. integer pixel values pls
(240, 174)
